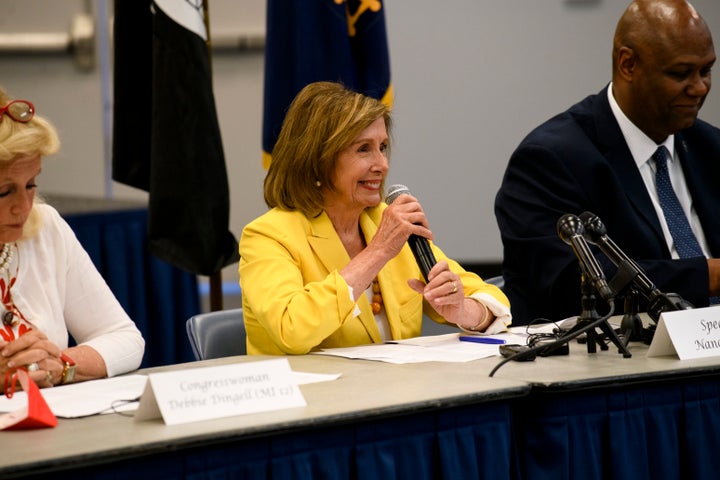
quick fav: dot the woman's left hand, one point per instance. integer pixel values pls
(444, 292)
(37, 353)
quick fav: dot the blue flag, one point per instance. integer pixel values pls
(322, 40)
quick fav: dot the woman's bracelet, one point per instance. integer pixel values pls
(485, 318)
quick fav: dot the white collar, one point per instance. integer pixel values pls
(641, 146)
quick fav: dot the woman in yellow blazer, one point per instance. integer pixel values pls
(329, 265)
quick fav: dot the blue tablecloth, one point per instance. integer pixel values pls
(661, 430)
(471, 442)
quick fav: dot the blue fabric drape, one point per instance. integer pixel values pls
(473, 441)
(476, 442)
(157, 296)
(658, 431)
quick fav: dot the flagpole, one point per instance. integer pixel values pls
(216, 297)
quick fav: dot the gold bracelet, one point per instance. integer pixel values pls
(68, 373)
(477, 328)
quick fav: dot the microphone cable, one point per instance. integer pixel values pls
(557, 343)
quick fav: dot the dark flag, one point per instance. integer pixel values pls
(166, 138)
(314, 40)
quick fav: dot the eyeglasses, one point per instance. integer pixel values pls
(19, 110)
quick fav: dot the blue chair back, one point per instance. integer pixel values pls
(217, 334)
(498, 281)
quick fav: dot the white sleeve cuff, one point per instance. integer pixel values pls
(356, 311)
(503, 318)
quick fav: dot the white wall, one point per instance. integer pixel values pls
(471, 77)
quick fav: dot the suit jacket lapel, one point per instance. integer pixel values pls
(326, 244)
(704, 194)
(612, 143)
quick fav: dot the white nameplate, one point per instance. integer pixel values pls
(688, 333)
(190, 395)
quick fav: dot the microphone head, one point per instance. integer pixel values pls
(568, 226)
(594, 227)
(395, 191)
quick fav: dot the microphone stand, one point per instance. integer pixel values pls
(631, 327)
(589, 315)
(628, 281)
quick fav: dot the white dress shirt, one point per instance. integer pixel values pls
(642, 148)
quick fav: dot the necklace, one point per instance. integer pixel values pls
(6, 257)
(377, 300)
(6, 260)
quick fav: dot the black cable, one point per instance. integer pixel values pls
(558, 342)
(114, 407)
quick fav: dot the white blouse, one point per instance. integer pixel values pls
(59, 290)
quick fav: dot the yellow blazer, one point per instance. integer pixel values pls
(294, 299)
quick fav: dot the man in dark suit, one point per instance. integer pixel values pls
(598, 156)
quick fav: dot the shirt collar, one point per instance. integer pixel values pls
(641, 146)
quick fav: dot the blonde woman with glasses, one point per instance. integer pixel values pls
(49, 287)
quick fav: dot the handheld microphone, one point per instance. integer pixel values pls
(571, 230)
(658, 302)
(419, 245)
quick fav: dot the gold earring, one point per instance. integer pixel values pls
(318, 183)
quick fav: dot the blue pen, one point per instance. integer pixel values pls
(488, 340)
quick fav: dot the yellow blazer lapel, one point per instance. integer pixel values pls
(401, 302)
(326, 244)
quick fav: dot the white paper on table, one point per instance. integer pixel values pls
(432, 348)
(81, 399)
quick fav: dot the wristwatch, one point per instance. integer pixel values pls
(68, 373)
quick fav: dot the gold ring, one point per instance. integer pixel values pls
(49, 377)
(454, 286)
(32, 367)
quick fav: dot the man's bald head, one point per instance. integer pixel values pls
(648, 24)
(662, 60)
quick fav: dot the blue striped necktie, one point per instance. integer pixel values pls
(685, 241)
